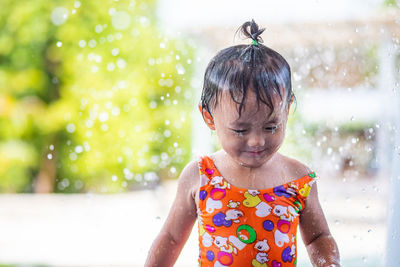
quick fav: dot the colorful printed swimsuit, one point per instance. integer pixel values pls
(241, 227)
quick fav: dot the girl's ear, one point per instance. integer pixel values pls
(207, 117)
(291, 101)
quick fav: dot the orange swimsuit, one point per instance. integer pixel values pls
(243, 227)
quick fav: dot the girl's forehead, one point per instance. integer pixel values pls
(253, 109)
(252, 104)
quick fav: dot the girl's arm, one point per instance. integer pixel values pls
(319, 242)
(179, 223)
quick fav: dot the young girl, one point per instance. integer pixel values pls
(248, 198)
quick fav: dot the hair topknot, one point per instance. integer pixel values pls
(250, 29)
(243, 68)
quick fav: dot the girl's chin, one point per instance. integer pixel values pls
(252, 162)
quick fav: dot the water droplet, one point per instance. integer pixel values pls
(59, 44)
(92, 43)
(73, 156)
(110, 66)
(121, 63)
(94, 69)
(82, 43)
(167, 133)
(180, 69)
(169, 82)
(65, 182)
(164, 156)
(153, 104)
(115, 51)
(142, 162)
(59, 15)
(103, 116)
(144, 21)
(78, 184)
(78, 149)
(128, 174)
(71, 128)
(120, 20)
(114, 178)
(49, 156)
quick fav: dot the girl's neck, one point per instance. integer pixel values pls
(265, 176)
(226, 162)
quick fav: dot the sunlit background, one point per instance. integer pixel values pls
(98, 116)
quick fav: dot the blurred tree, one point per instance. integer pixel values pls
(92, 97)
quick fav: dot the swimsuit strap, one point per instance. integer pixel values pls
(206, 166)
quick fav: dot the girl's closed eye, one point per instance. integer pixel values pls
(239, 131)
(271, 128)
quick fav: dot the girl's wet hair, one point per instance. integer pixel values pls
(241, 68)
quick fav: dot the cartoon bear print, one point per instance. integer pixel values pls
(233, 215)
(262, 256)
(262, 247)
(223, 245)
(233, 204)
(281, 212)
(292, 213)
(253, 192)
(220, 241)
(216, 180)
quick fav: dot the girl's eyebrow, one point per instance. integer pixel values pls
(244, 124)
(239, 124)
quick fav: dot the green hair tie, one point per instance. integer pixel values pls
(255, 42)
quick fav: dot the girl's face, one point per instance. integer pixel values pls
(256, 136)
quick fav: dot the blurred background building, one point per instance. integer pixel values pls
(100, 102)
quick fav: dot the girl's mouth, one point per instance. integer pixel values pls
(256, 152)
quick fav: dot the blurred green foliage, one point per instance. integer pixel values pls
(93, 96)
(391, 3)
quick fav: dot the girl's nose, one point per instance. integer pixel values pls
(256, 140)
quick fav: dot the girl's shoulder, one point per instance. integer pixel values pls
(294, 168)
(190, 172)
(188, 181)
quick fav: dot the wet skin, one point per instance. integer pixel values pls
(249, 159)
(253, 138)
